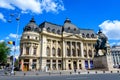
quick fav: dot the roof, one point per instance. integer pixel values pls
(31, 26)
(67, 27)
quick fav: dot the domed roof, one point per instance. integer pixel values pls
(31, 26)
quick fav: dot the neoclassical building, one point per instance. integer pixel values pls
(56, 47)
(115, 51)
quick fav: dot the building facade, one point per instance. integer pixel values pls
(115, 51)
(56, 47)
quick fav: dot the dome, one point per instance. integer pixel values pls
(31, 26)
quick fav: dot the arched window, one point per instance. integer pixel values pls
(59, 52)
(48, 51)
(74, 29)
(27, 50)
(85, 53)
(58, 31)
(68, 28)
(68, 52)
(48, 29)
(34, 51)
(87, 36)
(92, 35)
(53, 51)
(90, 53)
(53, 30)
(28, 28)
(79, 53)
(73, 52)
(83, 35)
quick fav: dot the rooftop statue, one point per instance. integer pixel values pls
(101, 43)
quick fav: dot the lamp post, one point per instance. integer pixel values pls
(15, 44)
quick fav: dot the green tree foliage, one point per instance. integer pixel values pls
(4, 52)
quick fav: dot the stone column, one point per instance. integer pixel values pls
(72, 65)
(31, 50)
(57, 64)
(37, 64)
(50, 48)
(87, 50)
(23, 52)
(30, 64)
(71, 49)
(118, 59)
(81, 46)
(76, 49)
(78, 64)
(51, 68)
(22, 65)
(82, 54)
(115, 59)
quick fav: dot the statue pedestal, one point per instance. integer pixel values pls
(103, 62)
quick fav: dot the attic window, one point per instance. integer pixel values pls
(87, 36)
(68, 28)
(29, 28)
(92, 35)
(83, 35)
(48, 29)
(74, 29)
(58, 31)
(53, 30)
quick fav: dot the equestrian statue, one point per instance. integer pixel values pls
(101, 43)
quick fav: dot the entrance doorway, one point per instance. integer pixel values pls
(26, 67)
(74, 64)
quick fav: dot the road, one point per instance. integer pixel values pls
(114, 76)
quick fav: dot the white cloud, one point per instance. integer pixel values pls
(2, 17)
(51, 5)
(35, 6)
(1, 40)
(25, 5)
(6, 4)
(111, 29)
(11, 35)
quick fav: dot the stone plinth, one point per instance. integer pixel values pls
(103, 62)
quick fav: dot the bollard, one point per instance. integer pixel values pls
(111, 71)
(88, 72)
(96, 72)
(24, 74)
(117, 71)
(103, 71)
(78, 72)
(49, 74)
(37, 74)
(60, 73)
(70, 72)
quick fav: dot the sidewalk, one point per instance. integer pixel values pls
(57, 73)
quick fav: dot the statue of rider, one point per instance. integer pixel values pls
(101, 42)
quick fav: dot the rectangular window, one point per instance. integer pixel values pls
(34, 51)
(27, 50)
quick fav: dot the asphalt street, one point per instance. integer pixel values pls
(114, 76)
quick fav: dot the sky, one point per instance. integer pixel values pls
(88, 14)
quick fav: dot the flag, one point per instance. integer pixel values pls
(11, 42)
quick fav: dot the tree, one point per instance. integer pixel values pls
(4, 52)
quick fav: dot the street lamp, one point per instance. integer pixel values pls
(18, 23)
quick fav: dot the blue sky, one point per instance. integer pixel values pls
(88, 14)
